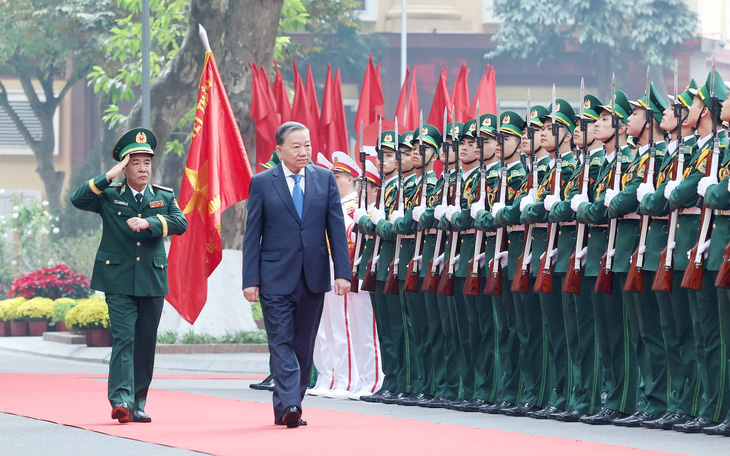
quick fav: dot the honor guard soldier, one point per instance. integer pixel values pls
(131, 265)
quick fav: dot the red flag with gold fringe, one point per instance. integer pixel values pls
(217, 175)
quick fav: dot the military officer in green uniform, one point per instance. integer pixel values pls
(676, 321)
(131, 265)
(579, 317)
(534, 212)
(683, 194)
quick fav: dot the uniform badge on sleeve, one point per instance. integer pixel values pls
(154, 204)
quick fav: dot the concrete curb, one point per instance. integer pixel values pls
(211, 348)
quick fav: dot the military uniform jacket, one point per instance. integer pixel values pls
(384, 229)
(130, 262)
(408, 227)
(717, 197)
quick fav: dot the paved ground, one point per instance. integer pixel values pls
(22, 436)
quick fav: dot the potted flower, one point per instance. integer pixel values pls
(91, 316)
(9, 314)
(38, 313)
(55, 282)
(60, 307)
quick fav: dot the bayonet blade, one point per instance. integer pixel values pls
(676, 79)
(529, 107)
(613, 93)
(582, 97)
(712, 77)
(648, 83)
(397, 138)
(380, 133)
(552, 115)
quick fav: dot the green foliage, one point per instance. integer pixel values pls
(78, 252)
(239, 337)
(167, 337)
(9, 309)
(60, 307)
(536, 31)
(36, 309)
(258, 314)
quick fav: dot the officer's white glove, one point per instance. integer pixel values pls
(455, 261)
(439, 211)
(645, 188)
(395, 216)
(417, 213)
(496, 207)
(359, 214)
(376, 216)
(450, 211)
(502, 258)
(480, 259)
(577, 200)
(671, 185)
(475, 208)
(549, 201)
(527, 199)
(610, 194)
(704, 184)
(582, 256)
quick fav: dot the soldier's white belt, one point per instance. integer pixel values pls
(723, 213)
(490, 233)
(512, 228)
(431, 231)
(540, 225)
(631, 216)
(571, 223)
(408, 236)
(469, 231)
(598, 226)
(690, 211)
(663, 217)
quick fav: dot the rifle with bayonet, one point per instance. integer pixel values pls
(664, 277)
(368, 282)
(446, 284)
(692, 278)
(411, 281)
(604, 280)
(521, 280)
(572, 280)
(472, 282)
(544, 280)
(635, 277)
(391, 283)
(363, 204)
(494, 278)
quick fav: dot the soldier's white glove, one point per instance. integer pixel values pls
(671, 185)
(417, 260)
(553, 255)
(527, 199)
(439, 211)
(376, 216)
(376, 261)
(450, 211)
(480, 259)
(475, 208)
(577, 200)
(671, 246)
(642, 250)
(645, 188)
(418, 212)
(610, 194)
(582, 256)
(728, 185)
(528, 260)
(549, 201)
(496, 207)
(704, 184)
(358, 261)
(395, 216)
(455, 261)
(705, 249)
(612, 253)
(439, 261)
(502, 258)
(359, 214)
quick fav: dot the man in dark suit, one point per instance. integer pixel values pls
(294, 214)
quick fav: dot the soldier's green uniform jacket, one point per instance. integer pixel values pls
(655, 204)
(434, 199)
(515, 180)
(387, 249)
(685, 197)
(130, 262)
(718, 197)
(407, 226)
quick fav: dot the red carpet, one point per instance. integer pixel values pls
(230, 427)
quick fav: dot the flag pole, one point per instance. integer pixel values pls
(403, 39)
(204, 37)
(146, 105)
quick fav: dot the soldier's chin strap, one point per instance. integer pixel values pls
(699, 118)
(507, 157)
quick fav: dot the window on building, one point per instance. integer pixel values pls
(367, 11)
(11, 141)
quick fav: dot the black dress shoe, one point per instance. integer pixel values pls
(437, 402)
(267, 384)
(554, 414)
(570, 416)
(415, 399)
(380, 394)
(695, 426)
(121, 412)
(506, 405)
(520, 410)
(494, 408)
(634, 420)
(721, 429)
(544, 413)
(474, 404)
(458, 404)
(605, 416)
(291, 416)
(281, 423)
(394, 398)
(139, 416)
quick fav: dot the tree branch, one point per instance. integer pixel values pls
(17, 121)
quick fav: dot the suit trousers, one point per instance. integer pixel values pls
(291, 324)
(134, 321)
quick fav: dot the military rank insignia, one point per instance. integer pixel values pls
(702, 166)
(154, 204)
(596, 161)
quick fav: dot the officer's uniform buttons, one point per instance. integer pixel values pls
(137, 258)
(139, 215)
(119, 213)
(107, 261)
(139, 244)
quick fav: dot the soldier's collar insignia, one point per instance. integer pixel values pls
(141, 138)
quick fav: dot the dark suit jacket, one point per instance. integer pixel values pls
(278, 247)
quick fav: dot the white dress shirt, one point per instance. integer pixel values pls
(290, 180)
(135, 192)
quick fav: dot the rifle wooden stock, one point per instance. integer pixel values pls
(723, 275)
(446, 284)
(604, 280)
(431, 281)
(521, 280)
(354, 283)
(571, 282)
(664, 276)
(391, 283)
(411, 281)
(472, 284)
(544, 280)
(635, 277)
(692, 277)
(494, 280)
(368, 282)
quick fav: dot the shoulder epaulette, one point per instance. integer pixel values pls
(625, 159)
(516, 172)
(569, 164)
(493, 173)
(542, 168)
(596, 161)
(116, 184)
(167, 189)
